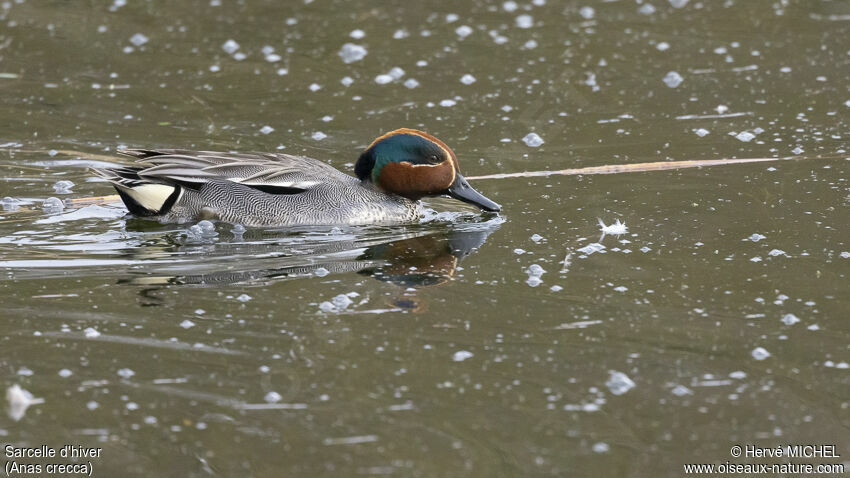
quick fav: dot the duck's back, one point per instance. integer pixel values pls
(254, 189)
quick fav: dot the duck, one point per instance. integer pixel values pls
(274, 189)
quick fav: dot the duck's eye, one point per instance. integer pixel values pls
(433, 159)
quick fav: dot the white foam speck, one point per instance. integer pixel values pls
(318, 136)
(532, 140)
(357, 34)
(65, 373)
(510, 6)
(125, 373)
(615, 229)
(646, 9)
(396, 72)
(383, 79)
(601, 447)
(701, 132)
(272, 397)
(587, 12)
(91, 333)
(464, 31)
(411, 83)
(53, 205)
(759, 353)
(347, 81)
(525, 21)
(755, 237)
(461, 355)
(266, 129)
(467, 79)
(745, 136)
(187, 324)
(619, 383)
(244, 298)
(678, 3)
(681, 391)
(321, 272)
(662, 46)
(592, 248)
(448, 103)
(138, 39)
(19, 400)
(777, 252)
(230, 46)
(673, 79)
(351, 52)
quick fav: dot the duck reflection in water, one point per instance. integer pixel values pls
(427, 260)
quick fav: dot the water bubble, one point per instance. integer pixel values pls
(138, 39)
(383, 79)
(318, 136)
(619, 383)
(321, 272)
(125, 373)
(341, 301)
(244, 298)
(532, 140)
(351, 52)
(759, 353)
(646, 9)
(587, 12)
(464, 31)
(467, 79)
(187, 324)
(273, 397)
(681, 391)
(461, 355)
(91, 333)
(601, 447)
(396, 73)
(525, 21)
(745, 136)
(53, 204)
(673, 79)
(10, 204)
(678, 3)
(230, 47)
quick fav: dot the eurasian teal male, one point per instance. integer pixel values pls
(274, 189)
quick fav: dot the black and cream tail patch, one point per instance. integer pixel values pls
(149, 199)
(142, 198)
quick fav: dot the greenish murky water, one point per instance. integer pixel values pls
(523, 344)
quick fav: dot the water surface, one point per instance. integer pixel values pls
(471, 344)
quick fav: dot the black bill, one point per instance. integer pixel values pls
(460, 189)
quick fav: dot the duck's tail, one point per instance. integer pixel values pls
(142, 196)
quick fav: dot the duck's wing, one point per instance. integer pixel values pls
(274, 173)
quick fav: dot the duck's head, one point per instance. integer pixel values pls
(414, 164)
